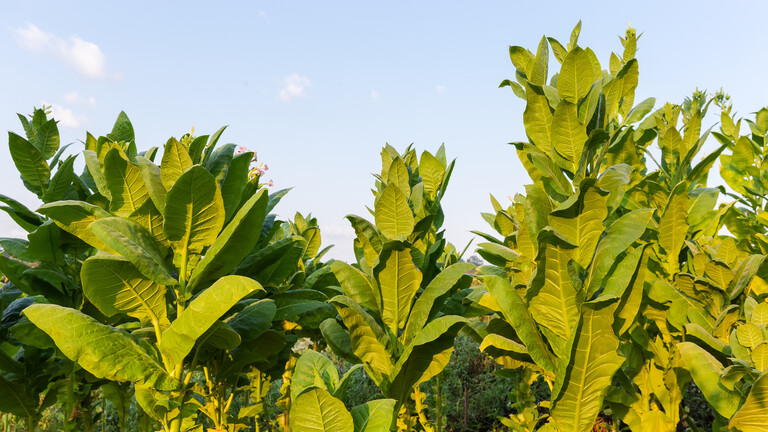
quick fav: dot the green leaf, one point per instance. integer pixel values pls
(317, 411)
(356, 285)
(276, 262)
(432, 173)
(576, 76)
(537, 71)
(581, 383)
(537, 119)
(749, 335)
(74, 217)
(673, 226)
(521, 57)
(706, 372)
(516, 313)
(252, 321)
(114, 285)
(641, 110)
(620, 235)
(94, 170)
(580, 221)
(365, 335)
(393, 215)
(374, 416)
(61, 182)
(426, 356)
(101, 350)
(339, 341)
(558, 50)
(568, 135)
(29, 161)
(16, 401)
(194, 211)
(234, 183)
(398, 175)
(234, 243)
(201, 313)
(553, 300)
(313, 370)
(125, 184)
(425, 304)
(398, 281)
(47, 139)
(122, 130)
(753, 415)
(152, 177)
(175, 162)
(575, 36)
(135, 243)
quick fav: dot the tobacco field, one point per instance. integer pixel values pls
(621, 288)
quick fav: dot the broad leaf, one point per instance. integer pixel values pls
(114, 285)
(125, 184)
(581, 383)
(194, 211)
(399, 280)
(101, 350)
(374, 416)
(393, 215)
(317, 411)
(74, 217)
(234, 243)
(136, 244)
(201, 313)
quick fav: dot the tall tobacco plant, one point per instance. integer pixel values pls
(160, 285)
(393, 313)
(43, 268)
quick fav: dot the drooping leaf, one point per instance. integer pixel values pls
(114, 285)
(136, 244)
(74, 217)
(365, 337)
(101, 350)
(356, 285)
(516, 313)
(706, 372)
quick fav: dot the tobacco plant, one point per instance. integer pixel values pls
(394, 300)
(44, 268)
(167, 238)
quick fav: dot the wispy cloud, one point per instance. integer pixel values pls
(375, 95)
(66, 117)
(261, 14)
(294, 87)
(440, 88)
(85, 57)
(75, 98)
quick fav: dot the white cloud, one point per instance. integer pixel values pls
(75, 98)
(375, 95)
(85, 57)
(440, 88)
(66, 117)
(294, 87)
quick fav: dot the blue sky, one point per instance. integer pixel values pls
(316, 88)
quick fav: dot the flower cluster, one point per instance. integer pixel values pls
(257, 171)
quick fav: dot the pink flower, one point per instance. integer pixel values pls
(241, 150)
